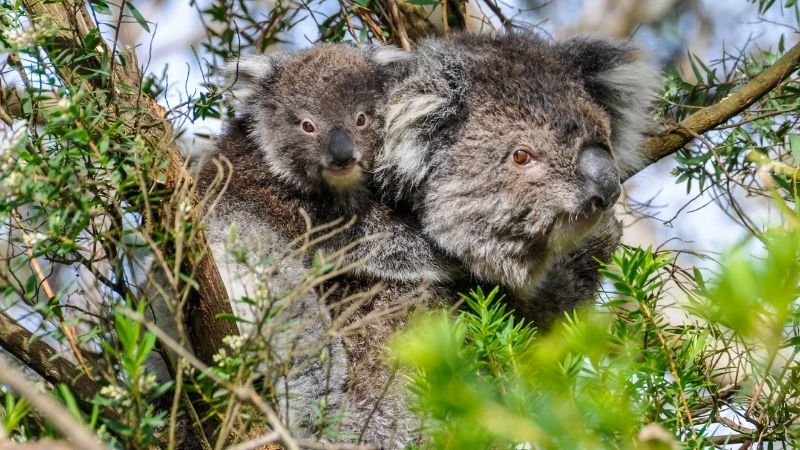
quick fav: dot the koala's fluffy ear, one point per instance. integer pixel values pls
(415, 110)
(246, 74)
(618, 76)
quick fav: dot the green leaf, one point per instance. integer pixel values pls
(794, 144)
(100, 6)
(694, 63)
(69, 401)
(125, 332)
(231, 317)
(423, 2)
(146, 347)
(138, 16)
(765, 5)
(698, 278)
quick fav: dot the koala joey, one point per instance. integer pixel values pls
(305, 137)
(510, 148)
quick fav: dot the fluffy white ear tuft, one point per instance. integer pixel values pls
(402, 162)
(404, 113)
(620, 78)
(632, 87)
(244, 75)
(388, 54)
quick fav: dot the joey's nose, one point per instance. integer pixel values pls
(601, 186)
(341, 147)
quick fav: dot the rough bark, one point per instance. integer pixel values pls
(45, 361)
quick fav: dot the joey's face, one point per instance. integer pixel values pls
(332, 149)
(315, 123)
(518, 188)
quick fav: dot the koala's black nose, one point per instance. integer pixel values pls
(600, 177)
(341, 147)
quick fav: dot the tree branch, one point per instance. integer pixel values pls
(45, 361)
(412, 18)
(44, 444)
(676, 136)
(204, 329)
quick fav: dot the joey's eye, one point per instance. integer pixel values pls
(361, 120)
(522, 156)
(308, 126)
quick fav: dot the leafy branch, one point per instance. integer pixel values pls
(79, 35)
(676, 136)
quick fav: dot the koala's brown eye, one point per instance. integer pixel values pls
(522, 156)
(361, 120)
(308, 127)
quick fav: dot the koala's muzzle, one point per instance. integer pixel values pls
(601, 179)
(341, 148)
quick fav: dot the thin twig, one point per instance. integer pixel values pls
(673, 366)
(69, 332)
(445, 25)
(399, 25)
(258, 442)
(244, 393)
(507, 24)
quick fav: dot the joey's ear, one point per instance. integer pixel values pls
(618, 76)
(246, 74)
(415, 109)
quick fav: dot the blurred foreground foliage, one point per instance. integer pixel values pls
(623, 376)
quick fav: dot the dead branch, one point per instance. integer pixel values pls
(258, 442)
(414, 20)
(398, 25)
(44, 444)
(45, 361)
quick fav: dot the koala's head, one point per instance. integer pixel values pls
(511, 148)
(312, 114)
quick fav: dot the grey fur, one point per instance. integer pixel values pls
(330, 84)
(300, 335)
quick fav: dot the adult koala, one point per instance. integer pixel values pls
(510, 149)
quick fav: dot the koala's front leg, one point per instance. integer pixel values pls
(396, 250)
(572, 279)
